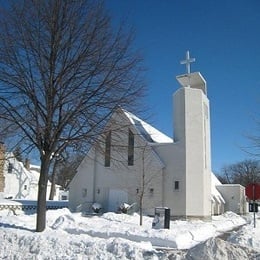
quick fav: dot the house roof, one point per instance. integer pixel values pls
(214, 192)
(148, 132)
(33, 173)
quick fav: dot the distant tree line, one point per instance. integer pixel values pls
(244, 172)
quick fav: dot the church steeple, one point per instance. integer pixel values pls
(193, 80)
(192, 135)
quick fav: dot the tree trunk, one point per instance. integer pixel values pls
(142, 190)
(141, 209)
(42, 192)
(53, 179)
(53, 186)
(141, 216)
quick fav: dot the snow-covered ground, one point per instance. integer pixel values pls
(119, 236)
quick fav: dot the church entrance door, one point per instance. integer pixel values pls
(116, 198)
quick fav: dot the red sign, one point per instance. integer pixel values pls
(253, 191)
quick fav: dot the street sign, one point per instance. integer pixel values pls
(253, 191)
(253, 207)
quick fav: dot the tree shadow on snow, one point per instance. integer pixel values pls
(5, 225)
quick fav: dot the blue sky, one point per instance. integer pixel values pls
(224, 37)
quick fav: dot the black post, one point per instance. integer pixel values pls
(167, 217)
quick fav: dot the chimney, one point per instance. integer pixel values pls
(2, 163)
(27, 164)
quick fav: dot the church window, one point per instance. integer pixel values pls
(131, 143)
(151, 192)
(108, 149)
(10, 167)
(176, 185)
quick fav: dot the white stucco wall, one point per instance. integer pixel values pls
(81, 188)
(173, 157)
(192, 131)
(234, 195)
(100, 181)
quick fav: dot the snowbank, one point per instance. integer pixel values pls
(119, 236)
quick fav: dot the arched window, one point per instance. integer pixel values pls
(131, 143)
(108, 149)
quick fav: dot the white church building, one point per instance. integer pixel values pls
(134, 163)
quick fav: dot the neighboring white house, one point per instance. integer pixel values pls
(133, 160)
(18, 181)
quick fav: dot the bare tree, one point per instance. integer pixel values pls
(254, 140)
(64, 169)
(245, 172)
(150, 178)
(2, 163)
(18, 153)
(63, 70)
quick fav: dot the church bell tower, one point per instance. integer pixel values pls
(192, 132)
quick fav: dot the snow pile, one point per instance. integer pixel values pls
(247, 236)
(119, 236)
(216, 248)
(96, 207)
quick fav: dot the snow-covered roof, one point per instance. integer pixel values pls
(148, 132)
(33, 173)
(216, 195)
(35, 167)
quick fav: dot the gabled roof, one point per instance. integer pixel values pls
(148, 132)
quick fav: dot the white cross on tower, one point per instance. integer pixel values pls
(188, 61)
